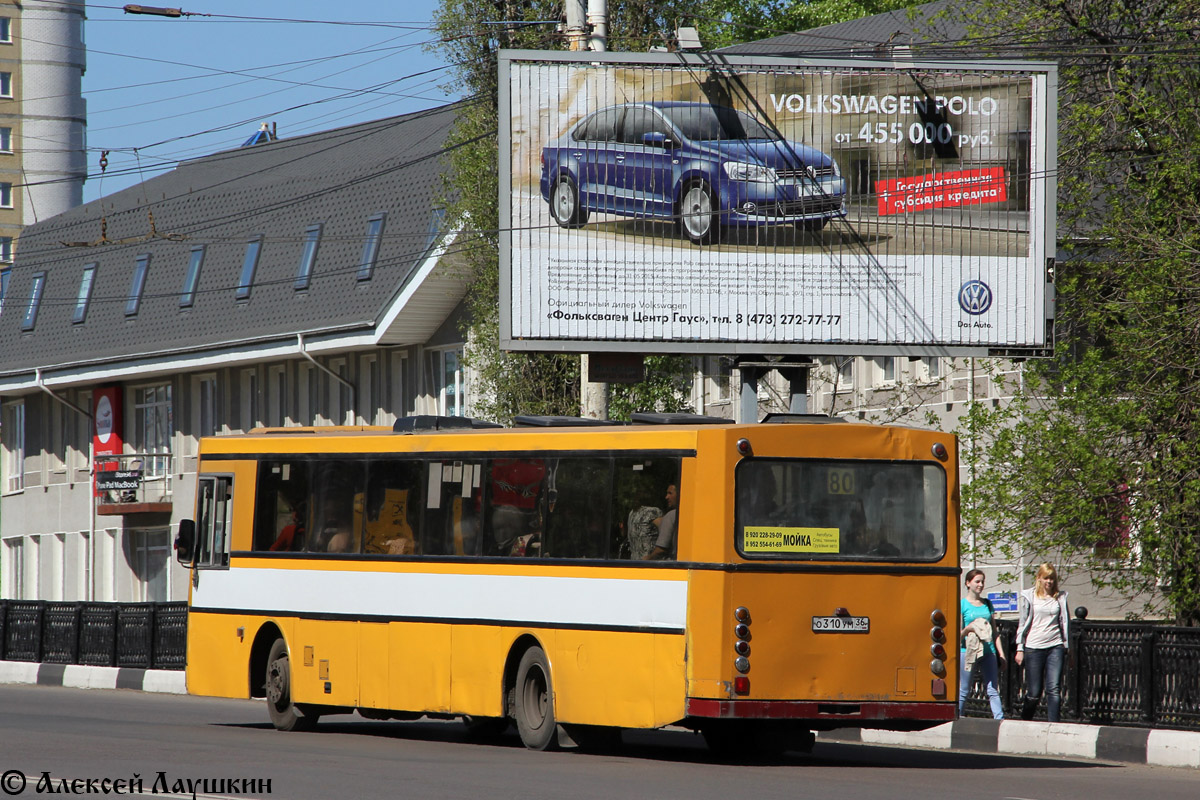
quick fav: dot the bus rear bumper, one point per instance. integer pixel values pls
(826, 716)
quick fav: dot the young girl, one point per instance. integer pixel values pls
(975, 606)
(1042, 642)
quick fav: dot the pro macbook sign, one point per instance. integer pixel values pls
(701, 203)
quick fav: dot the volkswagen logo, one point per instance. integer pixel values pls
(975, 297)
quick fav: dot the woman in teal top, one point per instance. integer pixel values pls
(975, 606)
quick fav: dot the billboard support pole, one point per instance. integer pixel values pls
(748, 396)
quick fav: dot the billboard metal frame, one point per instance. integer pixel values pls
(1040, 227)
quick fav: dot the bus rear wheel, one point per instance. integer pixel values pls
(534, 701)
(285, 716)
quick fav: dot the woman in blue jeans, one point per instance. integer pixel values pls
(1042, 642)
(975, 606)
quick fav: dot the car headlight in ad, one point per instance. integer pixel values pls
(751, 173)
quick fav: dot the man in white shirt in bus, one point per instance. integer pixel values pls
(664, 547)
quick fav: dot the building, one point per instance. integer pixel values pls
(304, 281)
(43, 117)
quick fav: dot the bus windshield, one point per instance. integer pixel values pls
(817, 510)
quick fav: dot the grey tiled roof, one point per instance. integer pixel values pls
(339, 178)
(925, 28)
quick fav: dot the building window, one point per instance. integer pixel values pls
(845, 373)
(6, 249)
(151, 556)
(447, 382)
(885, 370)
(370, 251)
(205, 416)
(339, 393)
(85, 293)
(6, 84)
(206, 406)
(134, 301)
(305, 395)
(81, 438)
(249, 399)
(5, 140)
(370, 390)
(398, 401)
(6, 195)
(249, 265)
(5, 30)
(192, 279)
(35, 300)
(13, 431)
(308, 256)
(14, 568)
(277, 396)
(5, 274)
(153, 425)
(720, 372)
(928, 369)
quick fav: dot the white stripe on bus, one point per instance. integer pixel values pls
(547, 600)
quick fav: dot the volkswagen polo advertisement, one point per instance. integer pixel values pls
(700, 203)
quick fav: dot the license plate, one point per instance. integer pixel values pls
(841, 624)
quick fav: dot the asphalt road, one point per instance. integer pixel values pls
(81, 734)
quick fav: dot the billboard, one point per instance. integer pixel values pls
(704, 203)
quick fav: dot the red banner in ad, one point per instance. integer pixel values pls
(966, 187)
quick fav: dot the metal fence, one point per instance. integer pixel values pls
(146, 635)
(1117, 673)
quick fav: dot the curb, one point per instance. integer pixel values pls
(163, 681)
(1161, 748)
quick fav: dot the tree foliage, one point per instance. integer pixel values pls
(1099, 456)
(729, 22)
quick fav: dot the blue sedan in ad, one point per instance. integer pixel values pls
(702, 166)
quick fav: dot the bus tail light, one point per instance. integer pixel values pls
(744, 448)
(742, 648)
(938, 634)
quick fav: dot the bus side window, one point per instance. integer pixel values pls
(391, 517)
(516, 505)
(336, 506)
(280, 519)
(639, 498)
(578, 492)
(452, 503)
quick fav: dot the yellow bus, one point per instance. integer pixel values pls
(751, 582)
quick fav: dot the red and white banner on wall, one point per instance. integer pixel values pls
(967, 187)
(106, 437)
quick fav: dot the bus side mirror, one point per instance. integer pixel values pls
(185, 542)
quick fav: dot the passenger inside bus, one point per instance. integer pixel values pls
(291, 537)
(516, 489)
(667, 524)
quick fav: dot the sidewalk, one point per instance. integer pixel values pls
(168, 681)
(1161, 748)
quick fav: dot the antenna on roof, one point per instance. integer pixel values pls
(264, 134)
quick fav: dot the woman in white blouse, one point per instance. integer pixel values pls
(1042, 642)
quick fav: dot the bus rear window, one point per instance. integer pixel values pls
(818, 510)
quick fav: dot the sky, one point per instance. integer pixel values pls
(160, 90)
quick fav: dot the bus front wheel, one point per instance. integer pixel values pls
(534, 706)
(285, 716)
